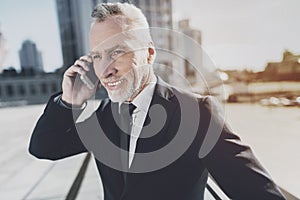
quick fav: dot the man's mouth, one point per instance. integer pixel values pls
(113, 85)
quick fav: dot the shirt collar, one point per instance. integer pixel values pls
(143, 99)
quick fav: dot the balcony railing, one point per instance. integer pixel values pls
(212, 190)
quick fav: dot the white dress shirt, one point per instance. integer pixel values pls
(142, 102)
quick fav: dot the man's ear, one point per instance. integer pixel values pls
(151, 55)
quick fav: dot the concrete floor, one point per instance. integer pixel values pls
(273, 133)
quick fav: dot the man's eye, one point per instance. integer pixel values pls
(117, 53)
(96, 57)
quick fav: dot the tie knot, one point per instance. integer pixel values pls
(126, 108)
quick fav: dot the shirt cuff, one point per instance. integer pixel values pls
(64, 104)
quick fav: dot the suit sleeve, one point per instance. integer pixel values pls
(234, 166)
(54, 136)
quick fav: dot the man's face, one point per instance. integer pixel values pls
(122, 68)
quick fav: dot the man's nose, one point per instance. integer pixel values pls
(108, 69)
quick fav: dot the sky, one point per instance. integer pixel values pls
(236, 34)
(35, 20)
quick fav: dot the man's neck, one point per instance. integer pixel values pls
(146, 82)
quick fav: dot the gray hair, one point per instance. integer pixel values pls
(135, 16)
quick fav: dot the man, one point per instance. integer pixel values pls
(148, 163)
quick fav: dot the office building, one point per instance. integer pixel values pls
(74, 18)
(23, 90)
(30, 57)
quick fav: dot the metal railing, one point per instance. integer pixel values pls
(212, 191)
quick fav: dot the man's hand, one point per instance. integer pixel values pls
(77, 94)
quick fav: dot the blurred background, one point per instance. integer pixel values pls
(253, 50)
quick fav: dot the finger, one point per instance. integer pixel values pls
(87, 58)
(82, 63)
(74, 70)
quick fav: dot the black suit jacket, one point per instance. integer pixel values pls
(231, 163)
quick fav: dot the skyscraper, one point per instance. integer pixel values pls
(30, 57)
(74, 18)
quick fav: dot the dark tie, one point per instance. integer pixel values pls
(126, 111)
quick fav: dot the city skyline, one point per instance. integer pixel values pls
(236, 34)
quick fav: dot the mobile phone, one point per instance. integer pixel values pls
(90, 79)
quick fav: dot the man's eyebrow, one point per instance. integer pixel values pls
(108, 50)
(114, 48)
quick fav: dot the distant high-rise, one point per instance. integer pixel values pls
(30, 57)
(74, 18)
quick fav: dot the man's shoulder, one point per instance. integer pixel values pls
(205, 103)
(171, 91)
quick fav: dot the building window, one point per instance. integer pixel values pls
(9, 90)
(54, 87)
(21, 90)
(32, 89)
(44, 88)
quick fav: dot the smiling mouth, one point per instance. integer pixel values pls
(111, 84)
(114, 84)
